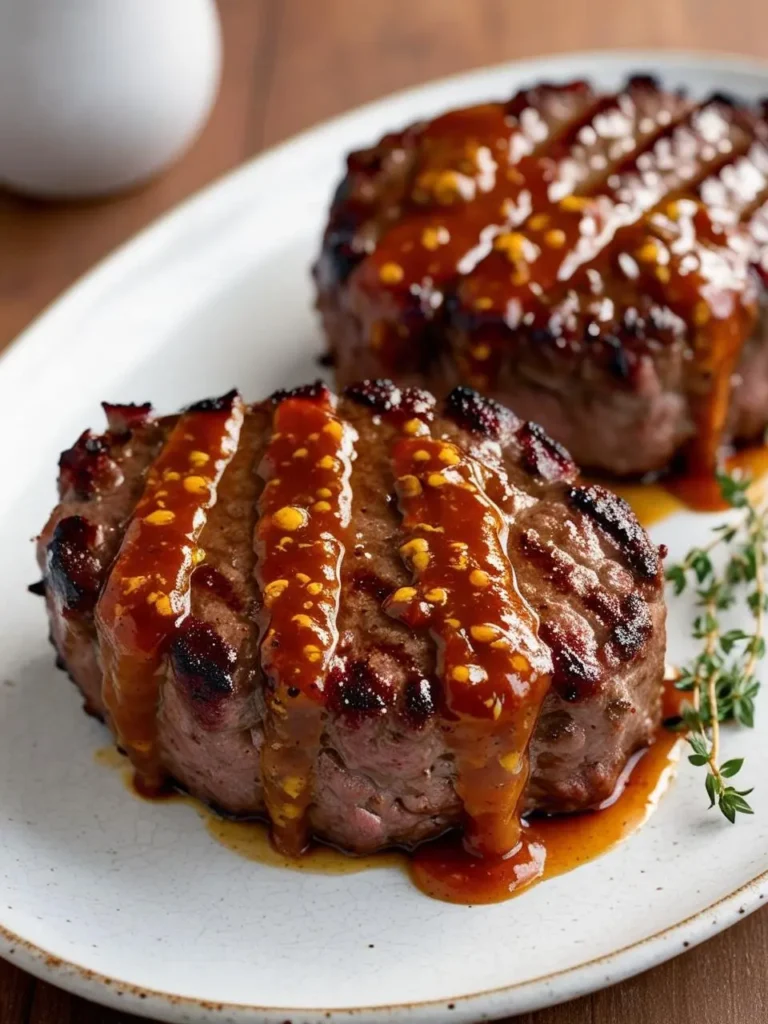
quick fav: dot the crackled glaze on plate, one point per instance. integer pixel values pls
(134, 904)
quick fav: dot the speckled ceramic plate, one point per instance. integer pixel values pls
(134, 904)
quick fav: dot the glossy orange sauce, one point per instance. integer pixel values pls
(517, 214)
(654, 502)
(549, 846)
(702, 494)
(148, 591)
(494, 670)
(304, 515)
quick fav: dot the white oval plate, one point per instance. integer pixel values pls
(133, 904)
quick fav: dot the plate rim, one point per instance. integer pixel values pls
(116, 993)
(145, 1002)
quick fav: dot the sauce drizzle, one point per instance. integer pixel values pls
(147, 594)
(494, 670)
(301, 538)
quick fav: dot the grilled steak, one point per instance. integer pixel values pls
(598, 262)
(369, 618)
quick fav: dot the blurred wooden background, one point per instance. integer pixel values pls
(289, 64)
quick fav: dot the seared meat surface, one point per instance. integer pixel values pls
(596, 261)
(347, 614)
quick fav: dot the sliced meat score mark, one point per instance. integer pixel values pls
(147, 595)
(301, 540)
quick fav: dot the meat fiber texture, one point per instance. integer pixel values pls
(595, 261)
(384, 774)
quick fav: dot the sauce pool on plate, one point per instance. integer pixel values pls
(654, 502)
(550, 846)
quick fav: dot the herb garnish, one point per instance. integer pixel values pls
(721, 679)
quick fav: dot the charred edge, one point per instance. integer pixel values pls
(122, 419)
(316, 391)
(38, 589)
(340, 255)
(384, 396)
(542, 456)
(642, 80)
(87, 466)
(480, 415)
(73, 569)
(721, 99)
(575, 675)
(222, 404)
(217, 583)
(617, 520)
(420, 701)
(530, 97)
(380, 395)
(203, 666)
(356, 692)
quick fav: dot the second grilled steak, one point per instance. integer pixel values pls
(596, 261)
(323, 564)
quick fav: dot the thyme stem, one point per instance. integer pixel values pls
(721, 678)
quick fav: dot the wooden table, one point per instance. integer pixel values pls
(289, 64)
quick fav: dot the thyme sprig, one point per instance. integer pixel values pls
(721, 679)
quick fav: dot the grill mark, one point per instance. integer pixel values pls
(421, 700)
(627, 619)
(221, 404)
(316, 390)
(147, 594)
(302, 538)
(365, 582)
(577, 675)
(203, 666)
(717, 341)
(630, 191)
(356, 692)
(617, 521)
(631, 633)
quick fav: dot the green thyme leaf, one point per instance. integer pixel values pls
(720, 680)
